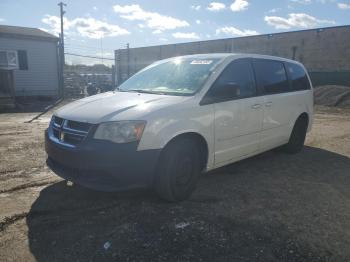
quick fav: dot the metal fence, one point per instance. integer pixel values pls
(341, 78)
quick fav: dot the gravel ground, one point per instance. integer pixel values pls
(273, 207)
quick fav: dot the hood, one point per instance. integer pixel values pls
(111, 106)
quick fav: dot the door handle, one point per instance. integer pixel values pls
(268, 104)
(256, 106)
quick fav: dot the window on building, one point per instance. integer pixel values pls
(22, 60)
(271, 76)
(12, 58)
(3, 58)
(8, 58)
(298, 77)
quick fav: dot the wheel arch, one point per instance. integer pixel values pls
(199, 140)
(303, 117)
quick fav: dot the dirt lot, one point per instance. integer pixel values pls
(273, 207)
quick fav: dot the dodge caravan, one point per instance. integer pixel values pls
(180, 117)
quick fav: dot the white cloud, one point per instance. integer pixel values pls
(127, 9)
(153, 20)
(304, 2)
(86, 27)
(239, 5)
(93, 28)
(307, 2)
(105, 54)
(43, 29)
(155, 32)
(95, 8)
(196, 7)
(295, 20)
(180, 35)
(54, 22)
(198, 22)
(343, 6)
(233, 31)
(216, 6)
(274, 10)
(163, 39)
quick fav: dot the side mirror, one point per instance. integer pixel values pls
(227, 91)
(231, 90)
(222, 93)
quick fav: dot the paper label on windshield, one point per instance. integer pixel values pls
(201, 62)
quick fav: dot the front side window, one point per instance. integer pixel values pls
(271, 76)
(178, 76)
(235, 82)
(298, 77)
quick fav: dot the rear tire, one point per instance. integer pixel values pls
(178, 170)
(297, 138)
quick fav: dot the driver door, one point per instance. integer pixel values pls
(238, 113)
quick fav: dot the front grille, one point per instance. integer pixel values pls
(79, 126)
(58, 121)
(69, 132)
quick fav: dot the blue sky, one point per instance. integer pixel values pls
(110, 24)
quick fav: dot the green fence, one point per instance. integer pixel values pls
(330, 78)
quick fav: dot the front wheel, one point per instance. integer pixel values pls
(297, 138)
(178, 170)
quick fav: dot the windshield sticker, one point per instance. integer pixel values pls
(201, 62)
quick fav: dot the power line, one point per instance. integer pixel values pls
(87, 56)
(88, 52)
(70, 45)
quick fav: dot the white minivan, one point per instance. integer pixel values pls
(180, 117)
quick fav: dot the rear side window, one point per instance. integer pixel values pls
(238, 73)
(271, 76)
(298, 77)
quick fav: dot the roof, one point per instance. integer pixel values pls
(231, 55)
(25, 32)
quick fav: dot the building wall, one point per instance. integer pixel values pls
(41, 78)
(320, 50)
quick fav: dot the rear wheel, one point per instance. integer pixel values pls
(178, 170)
(297, 138)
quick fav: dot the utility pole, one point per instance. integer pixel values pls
(128, 58)
(101, 50)
(62, 12)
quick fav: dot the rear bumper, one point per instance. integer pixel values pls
(103, 165)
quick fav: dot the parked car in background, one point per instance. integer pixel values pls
(180, 117)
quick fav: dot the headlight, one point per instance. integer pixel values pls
(120, 132)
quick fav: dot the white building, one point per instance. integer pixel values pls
(29, 62)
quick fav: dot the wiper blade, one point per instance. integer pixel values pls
(157, 92)
(144, 91)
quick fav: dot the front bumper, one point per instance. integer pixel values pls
(103, 165)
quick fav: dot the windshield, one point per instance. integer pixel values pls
(179, 76)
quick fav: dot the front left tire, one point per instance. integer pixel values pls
(178, 170)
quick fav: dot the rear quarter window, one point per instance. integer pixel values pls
(298, 77)
(271, 76)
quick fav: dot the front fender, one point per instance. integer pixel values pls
(163, 128)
